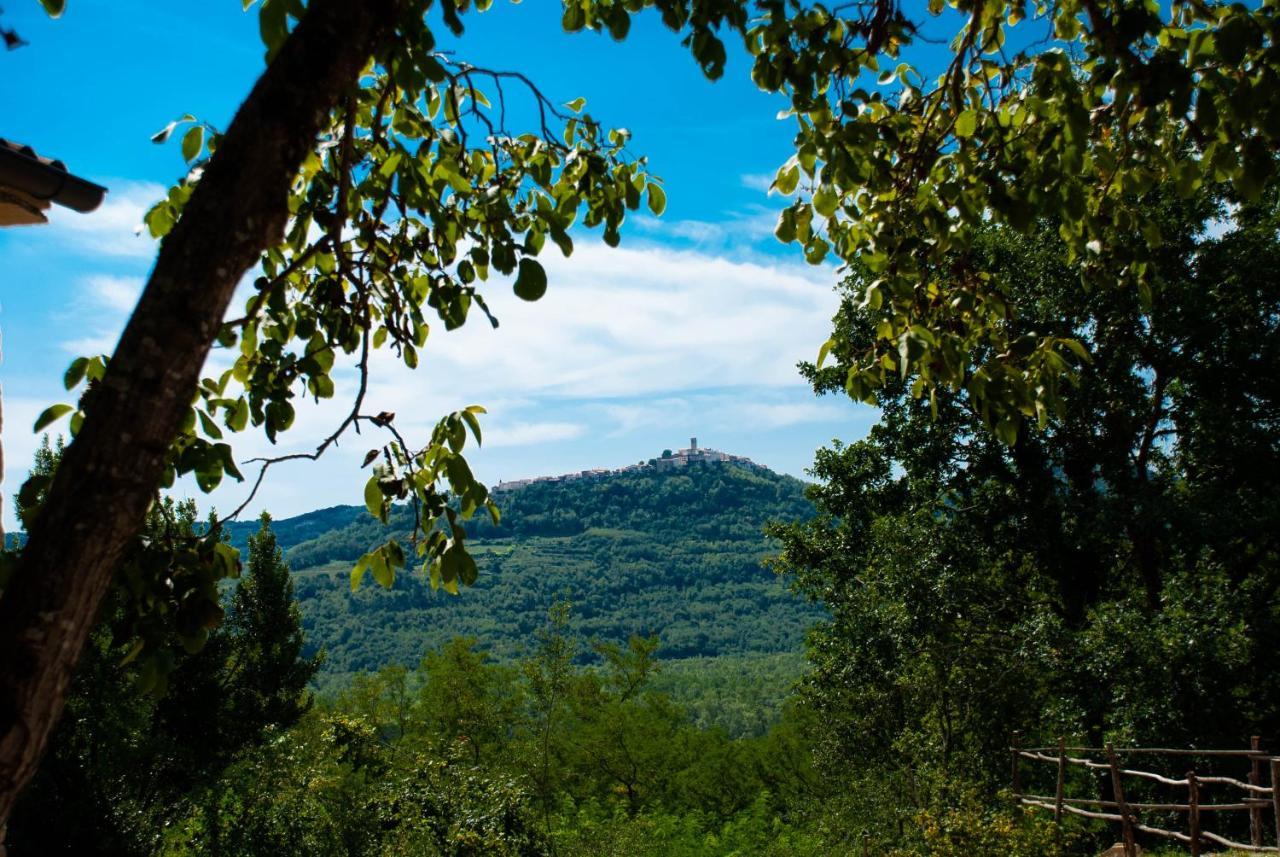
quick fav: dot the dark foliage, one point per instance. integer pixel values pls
(1114, 576)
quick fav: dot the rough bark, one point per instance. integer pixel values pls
(109, 474)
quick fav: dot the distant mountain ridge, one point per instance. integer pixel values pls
(672, 550)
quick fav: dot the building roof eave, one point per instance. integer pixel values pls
(45, 179)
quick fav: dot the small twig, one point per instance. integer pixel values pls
(255, 306)
(352, 416)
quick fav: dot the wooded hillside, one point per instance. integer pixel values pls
(679, 555)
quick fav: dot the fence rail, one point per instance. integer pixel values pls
(1257, 800)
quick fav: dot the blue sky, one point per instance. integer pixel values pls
(692, 327)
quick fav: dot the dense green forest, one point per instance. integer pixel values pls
(678, 554)
(1059, 287)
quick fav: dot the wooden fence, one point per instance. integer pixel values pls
(1252, 796)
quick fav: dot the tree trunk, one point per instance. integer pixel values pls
(109, 474)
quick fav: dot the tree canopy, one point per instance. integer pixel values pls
(374, 184)
(1114, 577)
(123, 760)
(1065, 109)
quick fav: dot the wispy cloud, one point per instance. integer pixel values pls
(112, 229)
(781, 415)
(741, 234)
(627, 344)
(84, 346)
(530, 434)
(757, 181)
(720, 411)
(649, 320)
(101, 307)
(117, 294)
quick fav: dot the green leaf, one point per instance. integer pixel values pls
(209, 479)
(787, 179)
(55, 8)
(159, 219)
(75, 372)
(785, 231)
(273, 24)
(192, 142)
(825, 201)
(357, 573)
(1077, 348)
(382, 570)
(563, 241)
(228, 460)
(134, 650)
(966, 123)
(238, 416)
(1232, 40)
(208, 425)
(50, 415)
(467, 571)
(229, 558)
(373, 497)
(389, 165)
(825, 351)
(1007, 430)
(162, 136)
(816, 250)
(531, 280)
(474, 423)
(657, 199)
(394, 554)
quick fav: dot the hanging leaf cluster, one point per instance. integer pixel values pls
(416, 199)
(1061, 110)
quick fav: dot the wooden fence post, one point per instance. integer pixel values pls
(1275, 795)
(1255, 779)
(1193, 799)
(1016, 774)
(1062, 778)
(1126, 821)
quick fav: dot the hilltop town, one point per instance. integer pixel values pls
(669, 460)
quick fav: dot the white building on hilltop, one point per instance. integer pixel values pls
(693, 454)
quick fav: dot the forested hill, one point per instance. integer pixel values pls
(674, 553)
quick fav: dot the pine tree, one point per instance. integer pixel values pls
(268, 676)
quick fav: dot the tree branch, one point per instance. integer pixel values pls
(103, 487)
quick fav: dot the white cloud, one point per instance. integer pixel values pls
(724, 411)
(781, 415)
(118, 294)
(616, 325)
(625, 340)
(86, 346)
(101, 308)
(757, 181)
(740, 234)
(111, 229)
(625, 322)
(530, 434)
(630, 417)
